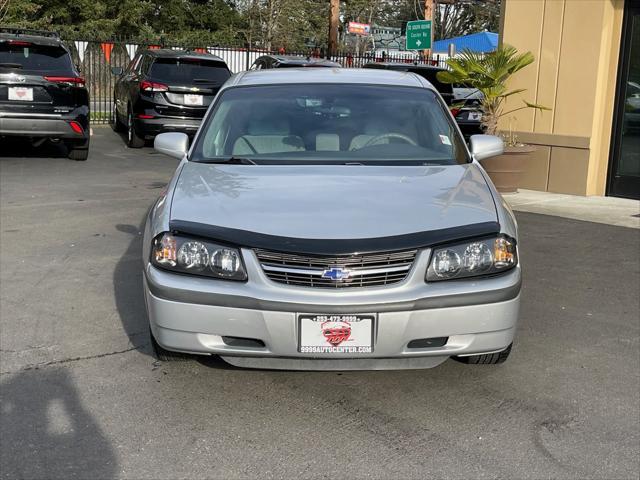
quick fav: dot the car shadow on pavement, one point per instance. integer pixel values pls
(23, 148)
(46, 432)
(127, 286)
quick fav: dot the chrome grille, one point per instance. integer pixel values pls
(364, 270)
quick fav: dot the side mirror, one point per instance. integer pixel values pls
(486, 146)
(174, 144)
(117, 71)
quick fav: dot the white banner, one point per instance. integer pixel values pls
(131, 49)
(81, 47)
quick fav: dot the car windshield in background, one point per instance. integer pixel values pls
(34, 58)
(189, 70)
(325, 123)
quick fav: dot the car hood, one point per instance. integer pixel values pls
(332, 201)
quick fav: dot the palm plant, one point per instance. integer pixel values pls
(489, 74)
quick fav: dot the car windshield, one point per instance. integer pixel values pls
(35, 58)
(327, 123)
(186, 70)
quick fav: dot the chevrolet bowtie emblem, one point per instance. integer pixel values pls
(336, 274)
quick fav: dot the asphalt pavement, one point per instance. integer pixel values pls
(82, 397)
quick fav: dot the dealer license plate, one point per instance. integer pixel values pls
(194, 100)
(475, 116)
(336, 333)
(21, 93)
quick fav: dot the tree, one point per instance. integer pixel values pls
(450, 19)
(489, 73)
(289, 24)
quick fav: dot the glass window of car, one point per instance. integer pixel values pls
(133, 64)
(321, 123)
(146, 62)
(186, 70)
(36, 58)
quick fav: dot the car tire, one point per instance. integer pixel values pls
(116, 124)
(133, 140)
(486, 359)
(78, 152)
(166, 355)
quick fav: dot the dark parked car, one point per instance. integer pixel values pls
(165, 91)
(291, 61)
(463, 103)
(42, 95)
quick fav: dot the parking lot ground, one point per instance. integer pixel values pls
(82, 397)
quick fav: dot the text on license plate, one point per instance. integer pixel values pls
(336, 333)
(190, 99)
(21, 93)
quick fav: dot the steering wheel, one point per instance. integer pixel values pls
(383, 136)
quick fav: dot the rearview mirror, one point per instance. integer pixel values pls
(486, 146)
(116, 71)
(173, 144)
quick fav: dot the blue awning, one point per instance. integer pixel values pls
(481, 42)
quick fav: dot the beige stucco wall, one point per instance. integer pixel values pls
(576, 45)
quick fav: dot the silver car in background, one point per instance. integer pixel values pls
(331, 219)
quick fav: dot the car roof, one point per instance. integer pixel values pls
(171, 53)
(402, 66)
(327, 75)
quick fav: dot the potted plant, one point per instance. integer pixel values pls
(489, 73)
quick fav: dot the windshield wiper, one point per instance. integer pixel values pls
(10, 65)
(230, 161)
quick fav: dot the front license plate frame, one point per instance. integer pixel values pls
(193, 100)
(336, 333)
(26, 96)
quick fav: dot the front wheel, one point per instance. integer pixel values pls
(78, 152)
(133, 140)
(486, 359)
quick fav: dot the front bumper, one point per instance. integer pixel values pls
(191, 314)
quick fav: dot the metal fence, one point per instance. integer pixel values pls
(96, 58)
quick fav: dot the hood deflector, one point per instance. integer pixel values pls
(308, 246)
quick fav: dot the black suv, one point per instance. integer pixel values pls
(466, 111)
(42, 95)
(291, 61)
(165, 91)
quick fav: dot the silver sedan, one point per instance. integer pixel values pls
(331, 219)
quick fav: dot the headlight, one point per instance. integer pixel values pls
(479, 257)
(198, 257)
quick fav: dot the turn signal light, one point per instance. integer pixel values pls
(503, 253)
(166, 252)
(148, 86)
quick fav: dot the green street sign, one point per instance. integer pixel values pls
(418, 35)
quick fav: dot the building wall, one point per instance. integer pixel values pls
(576, 44)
